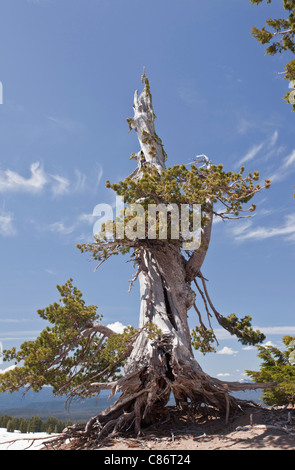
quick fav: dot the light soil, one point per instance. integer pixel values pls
(270, 430)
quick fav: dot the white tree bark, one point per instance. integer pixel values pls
(151, 147)
(162, 361)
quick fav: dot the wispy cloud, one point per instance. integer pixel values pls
(273, 139)
(222, 334)
(277, 330)
(268, 146)
(99, 176)
(7, 228)
(290, 159)
(285, 230)
(62, 228)
(284, 170)
(251, 154)
(50, 271)
(80, 180)
(19, 335)
(239, 229)
(60, 185)
(13, 181)
(66, 124)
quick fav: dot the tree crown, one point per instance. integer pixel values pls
(277, 366)
(279, 36)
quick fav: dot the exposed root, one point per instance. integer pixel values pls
(135, 411)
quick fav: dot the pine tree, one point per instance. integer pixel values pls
(279, 36)
(4, 420)
(35, 424)
(77, 355)
(11, 425)
(23, 426)
(277, 366)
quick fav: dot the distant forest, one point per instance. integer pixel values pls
(34, 424)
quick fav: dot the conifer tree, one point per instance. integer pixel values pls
(277, 366)
(279, 36)
(79, 356)
(11, 425)
(23, 426)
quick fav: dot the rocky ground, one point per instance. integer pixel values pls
(257, 428)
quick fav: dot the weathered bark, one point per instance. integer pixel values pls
(160, 366)
(161, 363)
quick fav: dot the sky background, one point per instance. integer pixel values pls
(69, 69)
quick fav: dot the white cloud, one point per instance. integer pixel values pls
(50, 271)
(241, 227)
(286, 230)
(269, 343)
(285, 169)
(2, 371)
(290, 159)
(268, 145)
(62, 228)
(99, 176)
(222, 334)
(277, 330)
(251, 154)
(81, 180)
(12, 181)
(6, 224)
(273, 139)
(88, 218)
(226, 374)
(227, 351)
(117, 327)
(60, 185)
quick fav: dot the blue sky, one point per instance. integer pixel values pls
(69, 69)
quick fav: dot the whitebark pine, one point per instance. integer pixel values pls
(158, 367)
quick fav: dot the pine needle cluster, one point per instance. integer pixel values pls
(279, 36)
(277, 366)
(70, 354)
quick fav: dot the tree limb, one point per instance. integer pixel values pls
(195, 262)
(152, 150)
(96, 326)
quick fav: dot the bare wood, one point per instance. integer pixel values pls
(103, 329)
(194, 264)
(103, 385)
(161, 360)
(152, 150)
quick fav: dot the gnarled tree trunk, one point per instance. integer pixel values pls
(163, 363)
